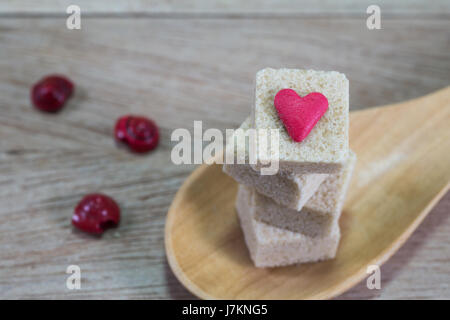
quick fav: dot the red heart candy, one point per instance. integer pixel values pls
(300, 114)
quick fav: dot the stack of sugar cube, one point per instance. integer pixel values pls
(292, 217)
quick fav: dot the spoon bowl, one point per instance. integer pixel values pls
(403, 169)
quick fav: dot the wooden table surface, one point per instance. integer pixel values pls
(177, 65)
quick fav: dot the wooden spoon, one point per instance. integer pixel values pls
(403, 169)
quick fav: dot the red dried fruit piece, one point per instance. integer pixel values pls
(95, 213)
(139, 133)
(51, 92)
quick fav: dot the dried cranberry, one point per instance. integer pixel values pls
(95, 213)
(51, 92)
(139, 133)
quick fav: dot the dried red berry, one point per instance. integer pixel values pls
(139, 133)
(51, 92)
(95, 213)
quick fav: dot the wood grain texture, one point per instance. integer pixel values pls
(175, 71)
(402, 171)
(231, 7)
